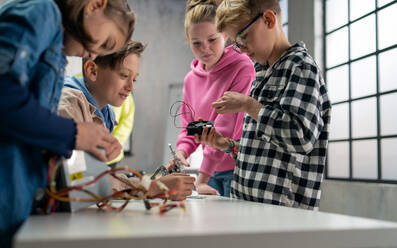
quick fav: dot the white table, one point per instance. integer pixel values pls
(209, 222)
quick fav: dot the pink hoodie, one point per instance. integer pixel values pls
(234, 72)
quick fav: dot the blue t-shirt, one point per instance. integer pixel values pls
(106, 114)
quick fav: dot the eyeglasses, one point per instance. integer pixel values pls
(241, 42)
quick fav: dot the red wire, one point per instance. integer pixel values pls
(66, 190)
(103, 202)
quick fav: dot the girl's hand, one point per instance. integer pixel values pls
(202, 186)
(205, 189)
(182, 158)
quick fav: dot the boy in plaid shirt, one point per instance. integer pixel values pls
(281, 156)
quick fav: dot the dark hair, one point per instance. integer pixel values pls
(115, 59)
(73, 12)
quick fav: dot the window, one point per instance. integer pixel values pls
(360, 70)
(284, 12)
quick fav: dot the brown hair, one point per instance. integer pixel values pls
(234, 13)
(115, 59)
(198, 11)
(73, 12)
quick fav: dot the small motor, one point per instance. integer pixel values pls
(196, 127)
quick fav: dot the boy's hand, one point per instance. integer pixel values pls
(212, 139)
(91, 136)
(118, 185)
(114, 150)
(183, 185)
(231, 102)
(182, 158)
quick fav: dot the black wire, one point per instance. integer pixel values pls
(176, 113)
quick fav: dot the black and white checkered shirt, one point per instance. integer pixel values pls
(281, 157)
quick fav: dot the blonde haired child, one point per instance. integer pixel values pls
(215, 70)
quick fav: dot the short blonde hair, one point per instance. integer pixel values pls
(235, 13)
(198, 11)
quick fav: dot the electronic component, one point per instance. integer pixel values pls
(82, 181)
(178, 167)
(80, 169)
(161, 170)
(196, 127)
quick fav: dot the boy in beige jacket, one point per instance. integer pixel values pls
(109, 80)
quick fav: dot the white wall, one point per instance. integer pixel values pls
(166, 61)
(73, 66)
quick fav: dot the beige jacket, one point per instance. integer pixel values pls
(74, 105)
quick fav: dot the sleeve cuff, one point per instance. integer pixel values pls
(67, 132)
(186, 148)
(265, 124)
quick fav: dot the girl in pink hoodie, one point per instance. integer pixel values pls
(215, 70)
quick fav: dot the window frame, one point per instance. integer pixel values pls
(378, 138)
